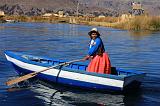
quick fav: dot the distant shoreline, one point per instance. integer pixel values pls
(137, 23)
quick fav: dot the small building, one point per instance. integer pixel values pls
(66, 14)
(56, 15)
(60, 13)
(136, 6)
(47, 15)
(89, 15)
(101, 16)
(2, 13)
(137, 9)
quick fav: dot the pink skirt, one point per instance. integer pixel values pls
(100, 64)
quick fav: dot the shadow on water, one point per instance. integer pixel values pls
(133, 98)
(45, 93)
(41, 93)
(20, 97)
(80, 97)
(85, 97)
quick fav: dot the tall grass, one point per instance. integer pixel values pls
(106, 19)
(137, 23)
(140, 23)
(37, 19)
(155, 23)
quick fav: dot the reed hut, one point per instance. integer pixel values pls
(2, 13)
(137, 9)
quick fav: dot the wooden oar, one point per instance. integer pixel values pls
(25, 77)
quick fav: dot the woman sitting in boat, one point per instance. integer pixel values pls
(100, 62)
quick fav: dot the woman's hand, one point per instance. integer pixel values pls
(86, 57)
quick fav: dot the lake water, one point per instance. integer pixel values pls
(129, 50)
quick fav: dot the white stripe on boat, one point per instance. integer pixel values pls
(68, 75)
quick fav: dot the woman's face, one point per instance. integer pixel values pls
(94, 35)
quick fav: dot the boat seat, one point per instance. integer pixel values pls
(53, 62)
(50, 62)
(74, 66)
(82, 67)
(114, 71)
(78, 67)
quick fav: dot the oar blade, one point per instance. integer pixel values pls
(19, 79)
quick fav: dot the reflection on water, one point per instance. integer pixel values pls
(140, 34)
(129, 50)
(58, 95)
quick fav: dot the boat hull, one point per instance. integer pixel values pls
(63, 75)
(66, 81)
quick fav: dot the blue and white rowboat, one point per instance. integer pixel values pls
(74, 74)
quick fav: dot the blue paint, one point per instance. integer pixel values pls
(72, 67)
(70, 82)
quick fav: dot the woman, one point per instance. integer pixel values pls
(100, 62)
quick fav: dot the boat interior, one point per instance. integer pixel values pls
(73, 66)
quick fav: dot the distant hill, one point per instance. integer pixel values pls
(35, 7)
(122, 6)
(98, 7)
